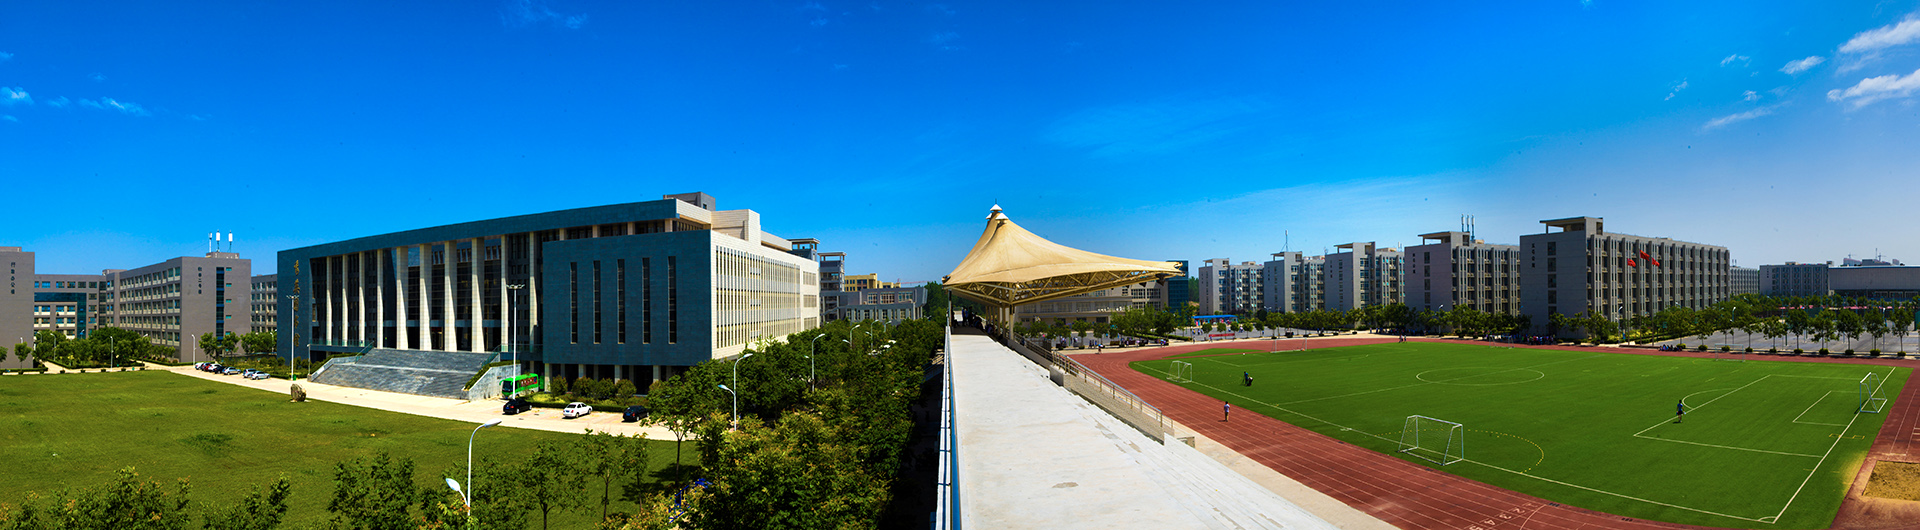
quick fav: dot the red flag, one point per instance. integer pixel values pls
(1631, 263)
(1643, 255)
(1656, 263)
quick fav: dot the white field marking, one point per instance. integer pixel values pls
(1729, 447)
(1684, 399)
(1823, 459)
(1823, 397)
(1425, 383)
(1491, 466)
(1696, 407)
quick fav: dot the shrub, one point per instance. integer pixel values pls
(1681, 345)
(623, 388)
(1701, 347)
(1771, 349)
(1749, 349)
(1875, 352)
(1798, 351)
(1849, 351)
(1823, 351)
(1725, 349)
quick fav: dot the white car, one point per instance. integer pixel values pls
(575, 409)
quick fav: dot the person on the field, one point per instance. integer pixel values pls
(1680, 411)
(1246, 379)
(1225, 410)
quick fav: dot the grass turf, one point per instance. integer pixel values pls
(59, 431)
(1213, 351)
(1763, 445)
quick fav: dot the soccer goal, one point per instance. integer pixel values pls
(1439, 441)
(1729, 352)
(1182, 372)
(1870, 399)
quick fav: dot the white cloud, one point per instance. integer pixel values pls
(1735, 58)
(1676, 90)
(96, 77)
(1750, 96)
(10, 118)
(523, 13)
(1586, 3)
(4, 56)
(124, 107)
(1907, 31)
(945, 41)
(1874, 89)
(1795, 67)
(59, 102)
(15, 95)
(1736, 118)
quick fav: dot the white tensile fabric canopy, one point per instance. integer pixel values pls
(1010, 266)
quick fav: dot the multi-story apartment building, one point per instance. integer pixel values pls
(891, 304)
(1229, 288)
(1796, 279)
(1294, 283)
(170, 303)
(264, 303)
(1584, 269)
(861, 282)
(607, 291)
(1451, 269)
(1095, 307)
(1743, 280)
(1364, 276)
(1176, 295)
(176, 301)
(833, 267)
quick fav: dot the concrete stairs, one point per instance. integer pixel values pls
(425, 373)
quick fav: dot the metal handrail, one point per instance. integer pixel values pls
(947, 514)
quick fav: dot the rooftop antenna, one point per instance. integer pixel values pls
(229, 241)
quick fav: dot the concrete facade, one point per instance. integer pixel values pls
(176, 301)
(1877, 282)
(1796, 279)
(1229, 288)
(1095, 307)
(1743, 280)
(1364, 276)
(1458, 271)
(1294, 283)
(266, 290)
(16, 303)
(607, 291)
(1582, 268)
(891, 304)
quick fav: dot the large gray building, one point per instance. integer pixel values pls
(609, 291)
(1885, 282)
(1229, 288)
(170, 303)
(1294, 283)
(1743, 280)
(264, 302)
(1796, 279)
(1456, 270)
(1364, 276)
(1584, 269)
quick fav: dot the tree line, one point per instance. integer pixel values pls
(105, 346)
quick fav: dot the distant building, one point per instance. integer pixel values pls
(890, 304)
(171, 303)
(1096, 307)
(265, 303)
(1294, 283)
(1176, 294)
(1229, 288)
(1796, 279)
(1743, 280)
(861, 282)
(1584, 269)
(1458, 271)
(1883, 282)
(833, 266)
(1364, 276)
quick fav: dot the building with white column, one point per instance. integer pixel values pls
(626, 290)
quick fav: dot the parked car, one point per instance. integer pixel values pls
(515, 406)
(201, 366)
(230, 371)
(576, 409)
(256, 374)
(633, 414)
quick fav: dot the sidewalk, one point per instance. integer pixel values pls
(452, 409)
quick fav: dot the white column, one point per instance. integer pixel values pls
(506, 304)
(476, 323)
(619, 372)
(656, 372)
(380, 300)
(360, 280)
(532, 300)
(449, 331)
(336, 294)
(400, 298)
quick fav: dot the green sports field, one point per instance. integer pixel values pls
(1765, 444)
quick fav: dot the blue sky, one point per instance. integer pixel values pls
(1782, 130)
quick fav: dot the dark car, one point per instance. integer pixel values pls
(515, 406)
(633, 414)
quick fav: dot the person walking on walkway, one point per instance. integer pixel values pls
(1680, 411)
(1225, 410)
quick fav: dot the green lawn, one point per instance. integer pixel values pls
(1213, 351)
(1765, 444)
(73, 430)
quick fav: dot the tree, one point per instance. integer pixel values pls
(374, 494)
(797, 474)
(260, 342)
(218, 345)
(604, 456)
(262, 509)
(128, 502)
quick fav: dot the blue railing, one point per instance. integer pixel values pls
(947, 516)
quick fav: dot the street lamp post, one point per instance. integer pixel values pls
(812, 347)
(736, 405)
(294, 304)
(467, 496)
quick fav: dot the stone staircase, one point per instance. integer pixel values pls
(425, 373)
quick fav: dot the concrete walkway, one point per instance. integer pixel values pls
(451, 409)
(1035, 456)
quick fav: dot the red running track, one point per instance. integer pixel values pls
(1414, 497)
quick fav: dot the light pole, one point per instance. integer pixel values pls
(513, 331)
(293, 303)
(812, 347)
(736, 405)
(467, 496)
